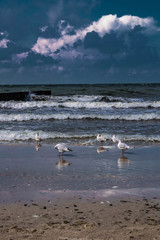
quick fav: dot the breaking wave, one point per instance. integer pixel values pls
(28, 135)
(68, 116)
(78, 104)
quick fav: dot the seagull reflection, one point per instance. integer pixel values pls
(122, 161)
(102, 149)
(38, 146)
(62, 163)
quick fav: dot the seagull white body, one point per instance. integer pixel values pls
(61, 147)
(115, 139)
(100, 138)
(123, 146)
(37, 137)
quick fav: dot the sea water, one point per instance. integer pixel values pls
(77, 113)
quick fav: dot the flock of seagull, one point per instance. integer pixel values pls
(62, 147)
(121, 145)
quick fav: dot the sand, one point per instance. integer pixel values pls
(79, 218)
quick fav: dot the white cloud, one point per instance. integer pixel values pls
(44, 28)
(3, 43)
(65, 28)
(106, 24)
(20, 57)
(5, 33)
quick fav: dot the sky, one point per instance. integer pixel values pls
(78, 42)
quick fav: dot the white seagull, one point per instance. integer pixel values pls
(123, 146)
(115, 139)
(61, 147)
(37, 137)
(100, 138)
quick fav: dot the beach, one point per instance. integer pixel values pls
(79, 218)
(93, 197)
(94, 191)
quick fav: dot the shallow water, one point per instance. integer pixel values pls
(23, 169)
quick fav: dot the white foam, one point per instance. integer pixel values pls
(25, 135)
(28, 135)
(79, 104)
(65, 116)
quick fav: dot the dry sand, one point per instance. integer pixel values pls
(81, 218)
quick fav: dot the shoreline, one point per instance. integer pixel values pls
(99, 195)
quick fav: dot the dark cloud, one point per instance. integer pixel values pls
(110, 43)
(73, 44)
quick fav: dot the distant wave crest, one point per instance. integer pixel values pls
(68, 116)
(87, 102)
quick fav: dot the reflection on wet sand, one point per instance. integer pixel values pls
(102, 149)
(38, 146)
(62, 163)
(122, 161)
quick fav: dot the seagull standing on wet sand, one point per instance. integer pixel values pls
(123, 146)
(100, 138)
(37, 137)
(61, 147)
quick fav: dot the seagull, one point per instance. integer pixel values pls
(100, 138)
(37, 137)
(115, 139)
(61, 147)
(123, 146)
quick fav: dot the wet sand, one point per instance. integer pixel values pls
(40, 201)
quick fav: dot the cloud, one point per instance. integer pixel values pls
(105, 25)
(55, 12)
(20, 69)
(18, 58)
(3, 43)
(65, 28)
(44, 28)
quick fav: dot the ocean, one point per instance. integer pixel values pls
(77, 113)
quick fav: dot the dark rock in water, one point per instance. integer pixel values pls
(48, 92)
(107, 99)
(18, 96)
(21, 96)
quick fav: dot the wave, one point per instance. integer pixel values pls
(24, 135)
(28, 135)
(67, 116)
(84, 98)
(78, 104)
